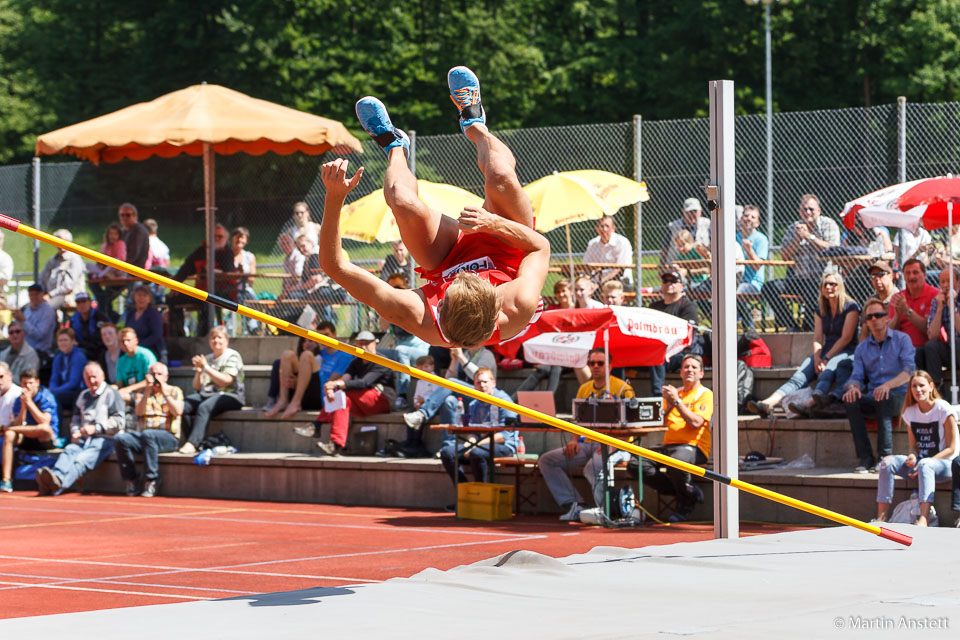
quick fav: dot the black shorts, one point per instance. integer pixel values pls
(313, 396)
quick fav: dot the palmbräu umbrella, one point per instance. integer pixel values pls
(369, 219)
(928, 201)
(200, 120)
(571, 196)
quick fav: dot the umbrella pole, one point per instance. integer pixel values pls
(12, 224)
(573, 279)
(208, 214)
(952, 301)
(606, 356)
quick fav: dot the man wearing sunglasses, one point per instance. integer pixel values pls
(677, 304)
(882, 365)
(19, 356)
(135, 235)
(881, 278)
(555, 465)
(804, 243)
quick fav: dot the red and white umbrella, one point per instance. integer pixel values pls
(634, 337)
(908, 205)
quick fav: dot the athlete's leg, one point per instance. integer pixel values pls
(504, 195)
(428, 234)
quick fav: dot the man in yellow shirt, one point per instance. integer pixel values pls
(687, 415)
(555, 465)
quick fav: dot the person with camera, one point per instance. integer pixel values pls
(158, 409)
(555, 465)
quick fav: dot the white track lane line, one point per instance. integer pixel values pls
(132, 593)
(58, 580)
(522, 536)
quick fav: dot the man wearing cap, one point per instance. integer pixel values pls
(909, 308)
(609, 247)
(804, 243)
(881, 278)
(39, 320)
(63, 276)
(19, 356)
(676, 304)
(692, 221)
(86, 324)
(364, 389)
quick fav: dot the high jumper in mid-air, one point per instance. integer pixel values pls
(484, 271)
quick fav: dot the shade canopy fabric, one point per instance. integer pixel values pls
(182, 121)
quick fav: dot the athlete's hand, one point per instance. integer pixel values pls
(334, 176)
(475, 219)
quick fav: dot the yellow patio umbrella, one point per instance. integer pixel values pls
(200, 120)
(573, 196)
(369, 219)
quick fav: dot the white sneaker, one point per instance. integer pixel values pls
(187, 449)
(413, 419)
(306, 430)
(573, 515)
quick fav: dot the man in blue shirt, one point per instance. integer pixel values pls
(755, 247)
(478, 454)
(35, 423)
(882, 365)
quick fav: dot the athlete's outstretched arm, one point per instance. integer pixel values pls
(518, 236)
(398, 306)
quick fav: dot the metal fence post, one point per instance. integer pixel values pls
(36, 218)
(721, 199)
(638, 213)
(901, 139)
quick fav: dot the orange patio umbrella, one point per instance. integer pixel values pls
(200, 120)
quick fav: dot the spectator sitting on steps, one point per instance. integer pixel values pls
(218, 385)
(158, 407)
(306, 374)
(97, 416)
(364, 389)
(19, 355)
(35, 425)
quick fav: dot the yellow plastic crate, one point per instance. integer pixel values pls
(484, 501)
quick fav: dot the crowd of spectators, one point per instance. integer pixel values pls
(859, 363)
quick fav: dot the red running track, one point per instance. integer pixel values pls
(82, 552)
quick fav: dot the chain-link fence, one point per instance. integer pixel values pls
(837, 155)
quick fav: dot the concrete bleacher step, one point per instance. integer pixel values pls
(827, 442)
(422, 483)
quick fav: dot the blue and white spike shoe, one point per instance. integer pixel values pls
(465, 93)
(375, 120)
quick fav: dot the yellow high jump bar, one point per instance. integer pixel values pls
(12, 224)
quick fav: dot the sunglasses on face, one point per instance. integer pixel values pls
(597, 363)
(126, 214)
(669, 280)
(14, 331)
(875, 316)
(829, 284)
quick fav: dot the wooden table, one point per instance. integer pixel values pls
(623, 432)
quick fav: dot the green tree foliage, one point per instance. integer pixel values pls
(543, 62)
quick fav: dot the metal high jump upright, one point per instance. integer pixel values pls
(721, 193)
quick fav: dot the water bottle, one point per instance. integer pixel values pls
(203, 458)
(494, 414)
(459, 417)
(521, 447)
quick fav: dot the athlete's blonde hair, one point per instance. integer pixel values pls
(470, 310)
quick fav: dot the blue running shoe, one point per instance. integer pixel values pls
(465, 93)
(375, 120)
